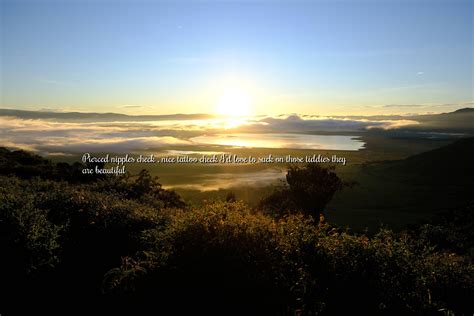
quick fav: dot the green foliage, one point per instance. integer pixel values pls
(128, 242)
(222, 250)
(59, 239)
(309, 189)
(26, 232)
(452, 230)
(44, 217)
(297, 264)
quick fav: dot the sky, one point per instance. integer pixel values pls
(307, 57)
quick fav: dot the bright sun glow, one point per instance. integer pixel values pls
(234, 102)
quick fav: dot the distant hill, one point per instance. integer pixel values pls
(458, 121)
(451, 163)
(464, 110)
(73, 116)
(27, 165)
(407, 191)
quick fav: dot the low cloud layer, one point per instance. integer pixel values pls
(54, 136)
(297, 124)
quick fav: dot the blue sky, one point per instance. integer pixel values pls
(311, 57)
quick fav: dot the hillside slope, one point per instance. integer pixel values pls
(403, 192)
(450, 163)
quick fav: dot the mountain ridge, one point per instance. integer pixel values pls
(28, 114)
(82, 115)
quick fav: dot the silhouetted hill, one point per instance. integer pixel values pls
(459, 121)
(451, 163)
(27, 165)
(464, 110)
(98, 116)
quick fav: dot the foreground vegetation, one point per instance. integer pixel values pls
(127, 244)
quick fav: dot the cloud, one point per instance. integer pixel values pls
(49, 137)
(116, 145)
(131, 106)
(296, 124)
(50, 110)
(460, 104)
(419, 73)
(56, 82)
(403, 105)
(393, 124)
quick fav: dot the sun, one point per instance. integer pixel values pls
(234, 102)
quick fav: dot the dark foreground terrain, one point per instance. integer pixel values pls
(72, 243)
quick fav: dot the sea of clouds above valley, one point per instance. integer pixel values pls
(53, 136)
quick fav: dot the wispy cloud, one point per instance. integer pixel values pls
(403, 105)
(132, 106)
(461, 104)
(50, 110)
(393, 124)
(56, 82)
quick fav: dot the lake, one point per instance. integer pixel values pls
(282, 140)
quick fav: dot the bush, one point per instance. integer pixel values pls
(28, 239)
(308, 190)
(221, 253)
(59, 239)
(125, 242)
(225, 253)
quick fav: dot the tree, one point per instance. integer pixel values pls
(309, 189)
(147, 189)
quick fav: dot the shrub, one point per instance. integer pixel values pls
(60, 239)
(30, 242)
(308, 190)
(221, 253)
(226, 253)
(133, 240)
